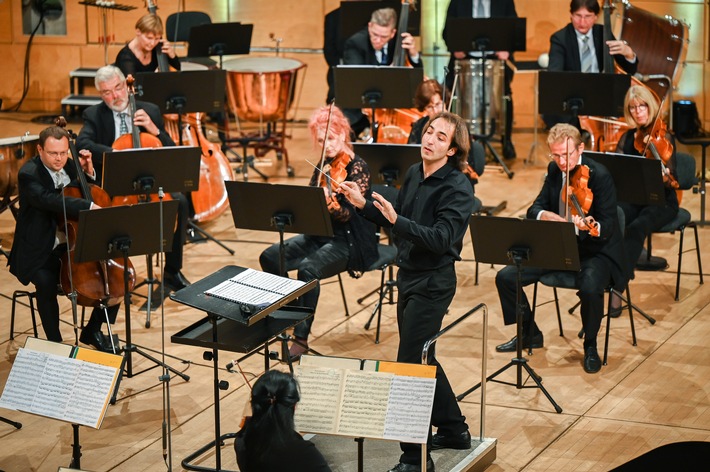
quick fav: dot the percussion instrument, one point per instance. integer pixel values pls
(470, 104)
(14, 152)
(187, 65)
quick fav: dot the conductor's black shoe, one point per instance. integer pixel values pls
(96, 339)
(413, 467)
(535, 342)
(509, 150)
(592, 364)
(175, 281)
(457, 441)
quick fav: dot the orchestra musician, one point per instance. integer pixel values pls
(104, 123)
(353, 247)
(429, 220)
(486, 9)
(602, 257)
(375, 45)
(641, 110)
(268, 440)
(39, 240)
(141, 52)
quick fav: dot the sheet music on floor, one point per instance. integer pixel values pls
(255, 288)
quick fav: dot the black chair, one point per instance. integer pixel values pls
(31, 296)
(685, 169)
(178, 25)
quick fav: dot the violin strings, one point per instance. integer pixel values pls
(326, 175)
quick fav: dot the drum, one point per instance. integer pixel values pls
(471, 104)
(14, 152)
(261, 88)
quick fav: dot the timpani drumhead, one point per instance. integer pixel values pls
(14, 152)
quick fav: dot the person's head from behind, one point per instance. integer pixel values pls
(381, 27)
(566, 146)
(428, 99)
(149, 31)
(446, 137)
(111, 84)
(640, 106)
(275, 395)
(338, 132)
(583, 14)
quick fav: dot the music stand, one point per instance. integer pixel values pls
(485, 35)
(376, 87)
(219, 39)
(144, 171)
(638, 180)
(547, 245)
(388, 163)
(575, 93)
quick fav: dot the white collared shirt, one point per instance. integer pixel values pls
(592, 50)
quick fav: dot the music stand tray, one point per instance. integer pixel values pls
(376, 86)
(219, 39)
(184, 91)
(577, 93)
(638, 180)
(388, 163)
(486, 34)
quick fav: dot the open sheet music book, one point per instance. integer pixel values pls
(252, 288)
(365, 398)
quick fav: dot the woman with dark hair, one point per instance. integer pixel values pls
(268, 440)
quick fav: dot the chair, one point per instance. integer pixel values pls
(685, 169)
(178, 25)
(31, 296)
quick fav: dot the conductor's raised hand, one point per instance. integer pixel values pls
(385, 207)
(352, 192)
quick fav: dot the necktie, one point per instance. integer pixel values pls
(383, 56)
(586, 55)
(480, 12)
(561, 210)
(123, 127)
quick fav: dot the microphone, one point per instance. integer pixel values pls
(648, 77)
(165, 440)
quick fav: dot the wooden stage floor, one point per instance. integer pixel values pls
(649, 395)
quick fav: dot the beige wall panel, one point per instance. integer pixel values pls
(523, 87)
(5, 22)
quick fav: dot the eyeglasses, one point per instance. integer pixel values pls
(639, 107)
(557, 157)
(55, 154)
(434, 106)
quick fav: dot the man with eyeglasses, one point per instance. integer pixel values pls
(40, 241)
(105, 122)
(602, 257)
(375, 46)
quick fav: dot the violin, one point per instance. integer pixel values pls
(655, 144)
(580, 197)
(335, 170)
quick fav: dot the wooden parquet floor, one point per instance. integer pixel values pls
(648, 395)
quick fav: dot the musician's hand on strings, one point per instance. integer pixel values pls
(385, 207)
(86, 164)
(167, 48)
(617, 47)
(503, 55)
(352, 192)
(409, 45)
(141, 118)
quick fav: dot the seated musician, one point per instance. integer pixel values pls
(354, 244)
(105, 122)
(375, 45)
(641, 111)
(486, 9)
(578, 47)
(40, 241)
(602, 257)
(141, 52)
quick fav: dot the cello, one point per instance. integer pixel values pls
(99, 282)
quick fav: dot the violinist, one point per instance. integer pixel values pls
(141, 52)
(354, 244)
(40, 240)
(642, 111)
(105, 122)
(602, 256)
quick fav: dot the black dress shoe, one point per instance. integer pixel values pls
(457, 441)
(175, 281)
(536, 342)
(592, 363)
(96, 339)
(413, 467)
(509, 150)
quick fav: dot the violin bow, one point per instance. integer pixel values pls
(325, 138)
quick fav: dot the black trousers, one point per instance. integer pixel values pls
(173, 259)
(640, 222)
(592, 279)
(424, 298)
(45, 281)
(313, 258)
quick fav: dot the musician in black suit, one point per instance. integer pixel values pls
(375, 45)
(570, 44)
(486, 9)
(602, 257)
(104, 122)
(39, 241)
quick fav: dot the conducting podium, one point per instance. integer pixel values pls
(246, 309)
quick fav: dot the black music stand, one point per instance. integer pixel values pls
(144, 171)
(376, 87)
(638, 180)
(548, 245)
(219, 39)
(388, 163)
(575, 93)
(226, 327)
(200, 91)
(486, 35)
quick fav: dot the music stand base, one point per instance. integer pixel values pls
(192, 226)
(10, 422)
(486, 143)
(187, 461)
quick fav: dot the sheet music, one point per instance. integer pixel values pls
(409, 409)
(253, 287)
(365, 397)
(318, 411)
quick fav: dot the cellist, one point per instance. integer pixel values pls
(39, 240)
(141, 52)
(105, 122)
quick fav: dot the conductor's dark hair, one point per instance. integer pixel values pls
(460, 139)
(273, 400)
(591, 5)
